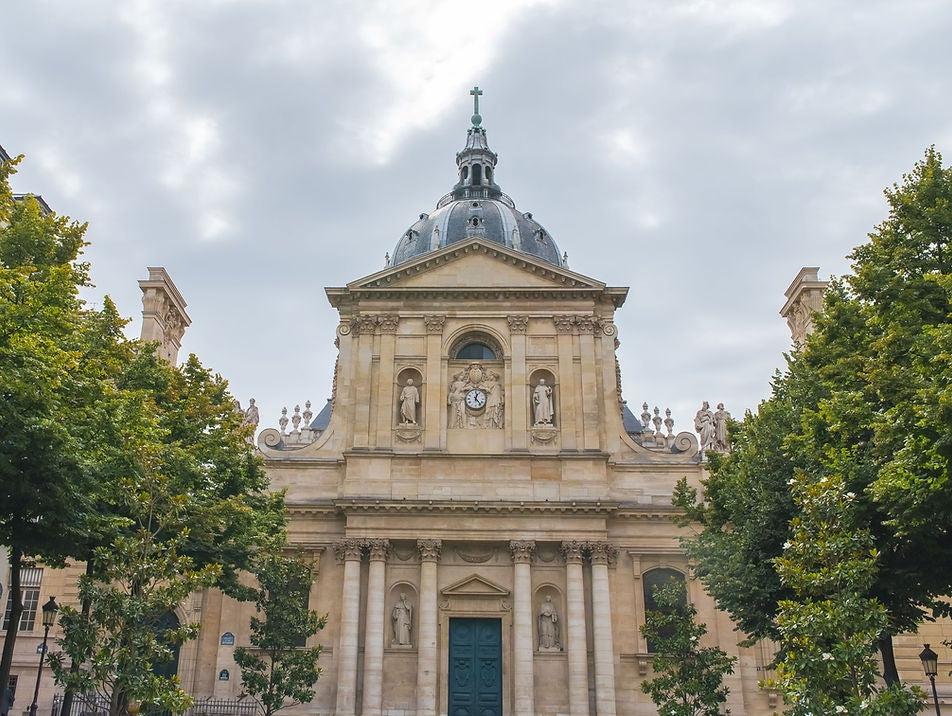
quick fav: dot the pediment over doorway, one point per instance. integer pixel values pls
(474, 586)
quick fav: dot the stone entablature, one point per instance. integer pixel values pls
(164, 319)
(804, 298)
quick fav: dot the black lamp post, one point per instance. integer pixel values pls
(49, 617)
(930, 665)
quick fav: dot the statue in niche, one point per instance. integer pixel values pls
(721, 440)
(494, 400)
(409, 399)
(455, 400)
(549, 627)
(542, 404)
(704, 425)
(251, 417)
(402, 619)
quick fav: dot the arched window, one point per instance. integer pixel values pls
(477, 174)
(475, 351)
(464, 172)
(489, 174)
(653, 579)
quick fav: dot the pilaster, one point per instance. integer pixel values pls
(427, 654)
(522, 650)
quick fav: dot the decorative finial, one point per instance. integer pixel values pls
(476, 92)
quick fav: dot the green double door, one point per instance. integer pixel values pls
(475, 678)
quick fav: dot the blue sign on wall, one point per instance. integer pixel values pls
(227, 639)
(223, 675)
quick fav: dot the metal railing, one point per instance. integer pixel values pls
(99, 706)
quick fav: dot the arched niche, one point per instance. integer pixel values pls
(655, 578)
(548, 633)
(404, 378)
(402, 595)
(550, 379)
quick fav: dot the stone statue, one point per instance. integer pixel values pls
(402, 619)
(542, 403)
(252, 418)
(704, 425)
(455, 400)
(494, 401)
(409, 398)
(549, 627)
(721, 441)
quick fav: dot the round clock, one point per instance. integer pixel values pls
(475, 399)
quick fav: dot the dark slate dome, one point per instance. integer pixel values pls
(476, 208)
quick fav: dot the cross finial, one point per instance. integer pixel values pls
(476, 92)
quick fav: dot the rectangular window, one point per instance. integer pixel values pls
(13, 685)
(30, 580)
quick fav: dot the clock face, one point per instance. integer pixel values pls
(475, 399)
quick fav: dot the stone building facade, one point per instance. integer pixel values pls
(485, 514)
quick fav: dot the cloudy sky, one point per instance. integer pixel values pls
(699, 152)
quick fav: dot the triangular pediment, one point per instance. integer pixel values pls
(476, 263)
(474, 586)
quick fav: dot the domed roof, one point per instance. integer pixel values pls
(476, 208)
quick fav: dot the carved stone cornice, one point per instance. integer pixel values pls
(522, 551)
(601, 552)
(573, 552)
(377, 549)
(518, 324)
(388, 322)
(349, 549)
(429, 549)
(564, 323)
(434, 322)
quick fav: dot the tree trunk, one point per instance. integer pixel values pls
(74, 667)
(890, 672)
(16, 610)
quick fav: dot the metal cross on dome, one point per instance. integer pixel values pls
(476, 92)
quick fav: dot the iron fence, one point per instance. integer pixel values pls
(86, 705)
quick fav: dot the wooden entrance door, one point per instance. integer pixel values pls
(475, 678)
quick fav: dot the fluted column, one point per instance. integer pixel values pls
(577, 642)
(427, 656)
(349, 551)
(601, 554)
(522, 649)
(374, 630)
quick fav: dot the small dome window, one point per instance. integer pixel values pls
(475, 351)
(477, 174)
(489, 174)
(464, 173)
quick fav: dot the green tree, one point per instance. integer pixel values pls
(279, 670)
(868, 397)
(689, 679)
(829, 627)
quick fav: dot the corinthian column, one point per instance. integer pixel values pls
(349, 551)
(577, 643)
(427, 656)
(373, 633)
(522, 649)
(602, 553)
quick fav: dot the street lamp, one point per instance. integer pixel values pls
(49, 617)
(930, 665)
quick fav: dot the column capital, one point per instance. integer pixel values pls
(602, 552)
(349, 549)
(573, 552)
(434, 322)
(429, 549)
(522, 551)
(388, 322)
(564, 323)
(378, 549)
(518, 324)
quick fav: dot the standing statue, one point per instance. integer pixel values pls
(494, 401)
(549, 627)
(409, 398)
(455, 400)
(252, 418)
(402, 619)
(704, 425)
(542, 403)
(721, 440)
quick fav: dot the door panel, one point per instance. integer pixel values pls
(475, 678)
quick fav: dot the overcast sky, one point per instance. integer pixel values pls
(699, 152)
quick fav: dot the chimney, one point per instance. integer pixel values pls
(804, 298)
(164, 319)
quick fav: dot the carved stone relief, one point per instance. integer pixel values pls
(476, 399)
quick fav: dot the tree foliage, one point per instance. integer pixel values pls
(868, 398)
(279, 670)
(689, 679)
(828, 627)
